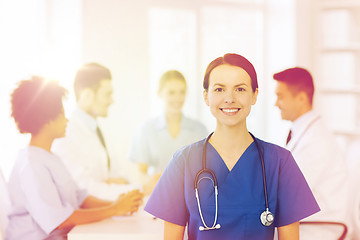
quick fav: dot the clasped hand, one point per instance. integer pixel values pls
(128, 203)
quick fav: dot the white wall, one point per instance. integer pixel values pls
(37, 37)
(54, 37)
(116, 34)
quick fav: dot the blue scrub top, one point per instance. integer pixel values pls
(241, 197)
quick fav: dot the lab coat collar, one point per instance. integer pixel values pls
(299, 127)
(87, 119)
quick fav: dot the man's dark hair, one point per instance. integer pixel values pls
(89, 76)
(298, 80)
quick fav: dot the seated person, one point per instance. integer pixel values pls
(46, 202)
(4, 205)
(84, 149)
(159, 138)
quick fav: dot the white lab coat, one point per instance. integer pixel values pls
(86, 158)
(323, 165)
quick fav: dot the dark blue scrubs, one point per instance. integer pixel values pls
(241, 198)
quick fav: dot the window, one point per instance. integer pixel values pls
(187, 37)
(38, 37)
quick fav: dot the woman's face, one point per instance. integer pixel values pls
(173, 94)
(290, 104)
(230, 95)
(58, 125)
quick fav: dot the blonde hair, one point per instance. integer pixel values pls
(170, 75)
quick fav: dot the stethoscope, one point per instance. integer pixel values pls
(266, 217)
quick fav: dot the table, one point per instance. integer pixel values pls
(139, 226)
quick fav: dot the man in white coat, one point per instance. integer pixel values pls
(315, 151)
(83, 149)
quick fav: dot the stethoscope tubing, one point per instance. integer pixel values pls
(263, 170)
(263, 216)
(204, 169)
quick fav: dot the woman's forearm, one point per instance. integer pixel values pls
(289, 232)
(94, 202)
(94, 209)
(173, 231)
(82, 216)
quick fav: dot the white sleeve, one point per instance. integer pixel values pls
(70, 153)
(87, 177)
(322, 164)
(43, 201)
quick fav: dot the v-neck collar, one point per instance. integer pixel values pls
(225, 177)
(223, 164)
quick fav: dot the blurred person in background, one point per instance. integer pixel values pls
(83, 149)
(46, 201)
(315, 150)
(158, 139)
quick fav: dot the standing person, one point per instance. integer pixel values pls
(83, 149)
(46, 202)
(245, 187)
(158, 139)
(314, 148)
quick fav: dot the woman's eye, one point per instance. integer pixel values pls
(218, 90)
(240, 89)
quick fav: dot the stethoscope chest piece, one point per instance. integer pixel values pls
(266, 218)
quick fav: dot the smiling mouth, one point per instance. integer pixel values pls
(230, 110)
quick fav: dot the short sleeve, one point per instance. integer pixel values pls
(167, 201)
(81, 195)
(295, 199)
(42, 198)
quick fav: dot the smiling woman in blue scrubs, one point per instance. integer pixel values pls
(234, 157)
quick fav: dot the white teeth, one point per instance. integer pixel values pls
(230, 110)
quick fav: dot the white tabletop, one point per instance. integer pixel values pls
(139, 226)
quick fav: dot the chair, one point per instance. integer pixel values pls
(343, 228)
(4, 206)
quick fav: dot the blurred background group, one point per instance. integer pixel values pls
(140, 40)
